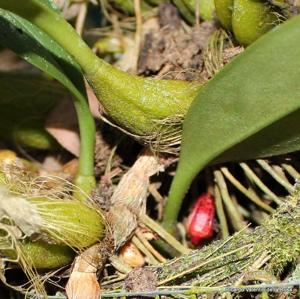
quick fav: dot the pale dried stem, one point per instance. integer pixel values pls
(145, 219)
(283, 182)
(254, 178)
(251, 195)
(151, 258)
(291, 171)
(147, 244)
(159, 199)
(80, 20)
(221, 213)
(119, 265)
(280, 171)
(236, 219)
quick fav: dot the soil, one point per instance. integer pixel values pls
(172, 51)
(141, 279)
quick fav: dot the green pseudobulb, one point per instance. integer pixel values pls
(251, 19)
(224, 12)
(138, 104)
(58, 227)
(247, 19)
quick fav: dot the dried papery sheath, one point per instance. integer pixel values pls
(20, 211)
(129, 198)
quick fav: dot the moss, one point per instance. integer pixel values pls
(220, 262)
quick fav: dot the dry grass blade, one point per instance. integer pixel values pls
(253, 177)
(236, 218)
(252, 196)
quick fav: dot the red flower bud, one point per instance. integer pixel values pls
(200, 221)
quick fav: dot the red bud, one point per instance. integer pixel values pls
(200, 221)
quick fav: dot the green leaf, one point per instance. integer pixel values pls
(281, 137)
(25, 100)
(248, 110)
(39, 49)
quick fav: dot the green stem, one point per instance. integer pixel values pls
(39, 12)
(171, 213)
(174, 202)
(85, 178)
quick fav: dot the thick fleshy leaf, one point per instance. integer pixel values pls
(248, 110)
